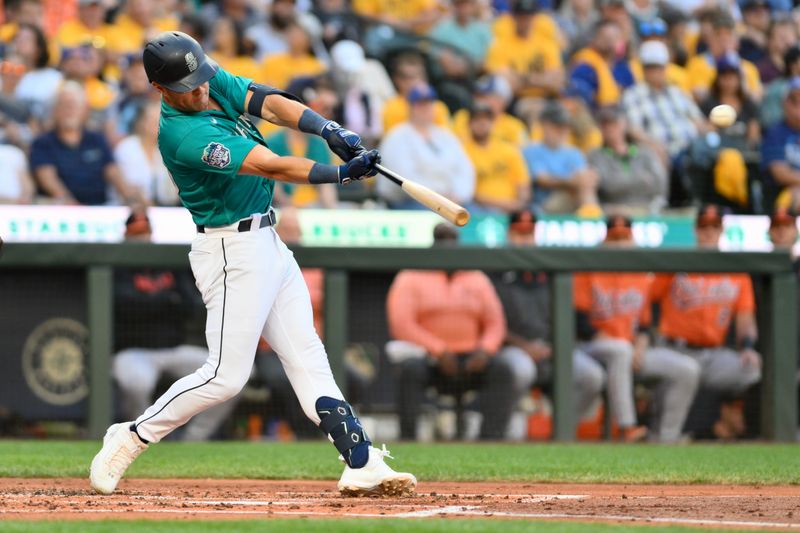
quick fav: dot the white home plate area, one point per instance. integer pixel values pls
(728, 506)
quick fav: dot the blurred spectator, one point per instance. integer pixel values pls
(781, 37)
(140, 160)
(656, 30)
(780, 156)
(269, 36)
(728, 88)
(577, 19)
(660, 115)
(613, 320)
(453, 326)
(338, 21)
(408, 71)
(543, 25)
(494, 92)
(410, 15)
(562, 181)
(72, 164)
(240, 11)
(533, 67)
(771, 110)
(621, 13)
(583, 131)
(286, 141)
(84, 65)
(363, 87)
(502, 183)
(90, 24)
(151, 309)
(230, 49)
(721, 41)
(465, 31)
(135, 91)
(16, 185)
(37, 87)
(756, 18)
(135, 25)
(430, 153)
(526, 300)
(298, 60)
(696, 313)
(268, 364)
(783, 231)
(632, 179)
(595, 69)
(193, 25)
(21, 12)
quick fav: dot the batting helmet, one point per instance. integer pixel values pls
(176, 61)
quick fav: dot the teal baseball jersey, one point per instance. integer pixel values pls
(204, 151)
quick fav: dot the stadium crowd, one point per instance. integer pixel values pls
(513, 107)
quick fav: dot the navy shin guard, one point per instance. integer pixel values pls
(338, 420)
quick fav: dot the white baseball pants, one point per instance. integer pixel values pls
(252, 287)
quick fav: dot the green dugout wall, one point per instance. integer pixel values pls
(777, 317)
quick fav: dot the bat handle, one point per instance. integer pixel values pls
(397, 178)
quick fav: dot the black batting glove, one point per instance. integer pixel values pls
(360, 167)
(342, 142)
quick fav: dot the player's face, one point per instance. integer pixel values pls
(708, 235)
(192, 102)
(783, 236)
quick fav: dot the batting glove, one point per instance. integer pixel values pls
(342, 142)
(360, 167)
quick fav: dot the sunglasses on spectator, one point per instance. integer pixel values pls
(650, 28)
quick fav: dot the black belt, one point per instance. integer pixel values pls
(246, 224)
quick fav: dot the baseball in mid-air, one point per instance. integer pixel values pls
(722, 116)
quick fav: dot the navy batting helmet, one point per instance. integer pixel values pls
(176, 61)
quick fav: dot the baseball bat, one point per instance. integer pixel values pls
(447, 209)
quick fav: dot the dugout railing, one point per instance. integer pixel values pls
(777, 316)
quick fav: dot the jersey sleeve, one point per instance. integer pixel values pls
(208, 150)
(746, 302)
(582, 292)
(234, 88)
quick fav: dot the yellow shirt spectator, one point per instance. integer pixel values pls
(507, 128)
(702, 70)
(405, 12)
(395, 111)
(544, 28)
(523, 56)
(99, 94)
(608, 91)
(244, 66)
(127, 36)
(74, 33)
(279, 69)
(500, 173)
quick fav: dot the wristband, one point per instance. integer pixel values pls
(320, 173)
(748, 343)
(312, 122)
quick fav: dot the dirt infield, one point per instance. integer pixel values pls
(712, 506)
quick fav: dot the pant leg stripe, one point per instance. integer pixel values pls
(221, 334)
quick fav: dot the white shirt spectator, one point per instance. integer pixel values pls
(38, 88)
(438, 162)
(150, 176)
(13, 173)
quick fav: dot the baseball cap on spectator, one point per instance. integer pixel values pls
(494, 85)
(747, 5)
(729, 62)
(525, 7)
(555, 113)
(653, 28)
(673, 16)
(782, 217)
(523, 221)
(709, 215)
(609, 113)
(89, 2)
(348, 56)
(653, 53)
(619, 228)
(721, 19)
(137, 224)
(421, 93)
(611, 3)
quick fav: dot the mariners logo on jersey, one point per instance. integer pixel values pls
(216, 155)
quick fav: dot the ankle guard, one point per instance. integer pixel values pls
(338, 420)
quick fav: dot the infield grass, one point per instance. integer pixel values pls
(336, 526)
(767, 464)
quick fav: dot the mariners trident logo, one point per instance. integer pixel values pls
(191, 61)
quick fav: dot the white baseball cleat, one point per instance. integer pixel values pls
(376, 478)
(120, 447)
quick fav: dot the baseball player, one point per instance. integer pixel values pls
(250, 283)
(697, 311)
(617, 316)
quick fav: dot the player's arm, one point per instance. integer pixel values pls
(261, 161)
(282, 109)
